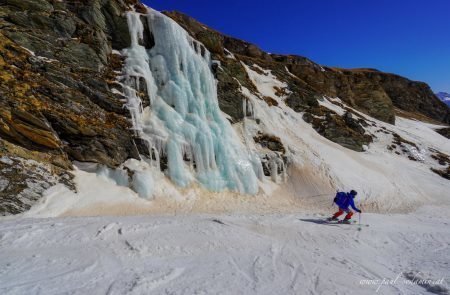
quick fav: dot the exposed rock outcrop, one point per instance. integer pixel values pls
(444, 132)
(56, 75)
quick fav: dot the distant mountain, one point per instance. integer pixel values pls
(444, 96)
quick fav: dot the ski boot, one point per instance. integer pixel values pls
(346, 221)
(332, 218)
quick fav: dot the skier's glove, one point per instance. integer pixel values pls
(359, 211)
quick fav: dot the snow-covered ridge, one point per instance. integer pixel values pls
(445, 97)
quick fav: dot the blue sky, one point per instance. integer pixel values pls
(409, 38)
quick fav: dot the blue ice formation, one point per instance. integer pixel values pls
(184, 121)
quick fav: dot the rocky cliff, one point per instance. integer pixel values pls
(57, 104)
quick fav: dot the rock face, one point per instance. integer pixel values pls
(444, 132)
(56, 74)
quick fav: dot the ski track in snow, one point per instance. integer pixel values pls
(225, 254)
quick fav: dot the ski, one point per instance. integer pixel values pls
(352, 222)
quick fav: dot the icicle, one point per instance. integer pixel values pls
(184, 119)
(273, 165)
(247, 107)
(250, 109)
(257, 166)
(277, 168)
(283, 171)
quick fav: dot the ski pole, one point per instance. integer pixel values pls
(359, 216)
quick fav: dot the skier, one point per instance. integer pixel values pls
(345, 200)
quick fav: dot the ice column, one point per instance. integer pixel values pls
(183, 122)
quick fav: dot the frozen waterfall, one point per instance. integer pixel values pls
(183, 122)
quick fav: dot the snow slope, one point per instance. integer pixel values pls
(224, 254)
(386, 181)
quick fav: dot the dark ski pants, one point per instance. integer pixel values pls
(341, 211)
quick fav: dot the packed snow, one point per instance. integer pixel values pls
(226, 254)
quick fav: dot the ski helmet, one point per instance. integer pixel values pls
(353, 193)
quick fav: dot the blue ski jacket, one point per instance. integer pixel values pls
(345, 200)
